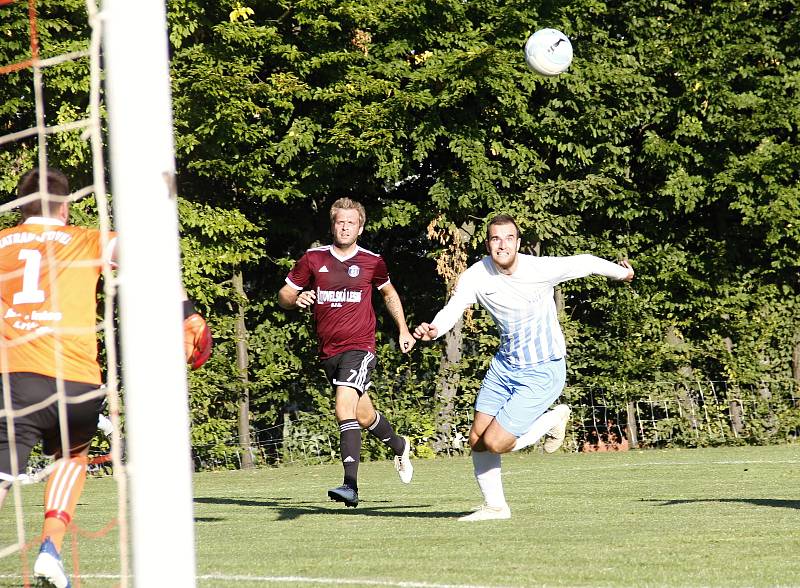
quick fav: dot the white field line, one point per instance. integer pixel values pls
(340, 581)
(294, 580)
(510, 471)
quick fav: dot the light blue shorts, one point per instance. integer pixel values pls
(517, 396)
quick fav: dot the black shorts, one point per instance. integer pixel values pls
(43, 425)
(351, 368)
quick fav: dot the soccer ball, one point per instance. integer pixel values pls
(548, 52)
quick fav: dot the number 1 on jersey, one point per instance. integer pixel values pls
(30, 293)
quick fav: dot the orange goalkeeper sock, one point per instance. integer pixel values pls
(64, 488)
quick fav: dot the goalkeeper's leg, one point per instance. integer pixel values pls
(64, 488)
(25, 437)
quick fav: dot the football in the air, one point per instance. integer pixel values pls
(548, 52)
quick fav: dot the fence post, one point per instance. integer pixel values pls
(630, 430)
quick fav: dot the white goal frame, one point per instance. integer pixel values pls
(153, 367)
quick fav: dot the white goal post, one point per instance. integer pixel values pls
(145, 214)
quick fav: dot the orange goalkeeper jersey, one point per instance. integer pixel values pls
(48, 297)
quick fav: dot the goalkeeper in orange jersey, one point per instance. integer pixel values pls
(49, 272)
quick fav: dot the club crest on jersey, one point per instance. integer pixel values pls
(353, 271)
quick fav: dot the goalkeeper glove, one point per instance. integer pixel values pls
(197, 341)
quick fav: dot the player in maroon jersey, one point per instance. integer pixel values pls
(337, 280)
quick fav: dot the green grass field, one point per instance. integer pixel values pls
(711, 517)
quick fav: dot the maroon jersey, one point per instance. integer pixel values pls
(343, 310)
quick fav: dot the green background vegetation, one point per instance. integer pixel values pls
(672, 140)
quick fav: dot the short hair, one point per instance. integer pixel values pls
(501, 219)
(56, 183)
(348, 204)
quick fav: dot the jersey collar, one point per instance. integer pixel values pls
(43, 220)
(346, 257)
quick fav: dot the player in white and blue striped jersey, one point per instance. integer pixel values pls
(527, 374)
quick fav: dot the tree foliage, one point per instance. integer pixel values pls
(672, 140)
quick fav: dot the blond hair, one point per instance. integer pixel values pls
(348, 204)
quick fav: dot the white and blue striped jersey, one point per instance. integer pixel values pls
(522, 304)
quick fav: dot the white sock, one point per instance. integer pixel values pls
(540, 426)
(487, 473)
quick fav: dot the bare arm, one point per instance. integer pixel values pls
(395, 307)
(290, 298)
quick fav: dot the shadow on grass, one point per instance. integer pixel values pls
(772, 502)
(289, 509)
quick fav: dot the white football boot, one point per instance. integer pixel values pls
(554, 438)
(48, 569)
(402, 463)
(488, 513)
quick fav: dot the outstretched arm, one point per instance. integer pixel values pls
(560, 269)
(463, 296)
(392, 301)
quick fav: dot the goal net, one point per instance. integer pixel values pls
(129, 93)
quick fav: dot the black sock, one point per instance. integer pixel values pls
(350, 443)
(383, 430)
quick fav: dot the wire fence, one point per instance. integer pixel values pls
(646, 416)
(689, 414)
(649, 415)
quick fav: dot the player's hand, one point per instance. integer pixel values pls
(197, 340)
(627, 265)
(306, 299)
(426, 332)
(407, 342)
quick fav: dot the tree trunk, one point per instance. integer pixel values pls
(737, 417)
(242, 362)
(771, 421)
(449, 378)
(558, 295)
(685, 399)
(450, 264)
(796, 365)
(734, 404)
(631, 430)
